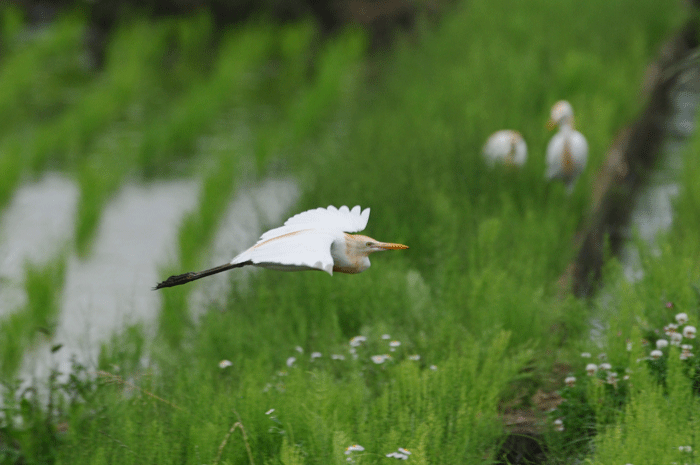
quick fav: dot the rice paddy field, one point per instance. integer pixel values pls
(419, 358)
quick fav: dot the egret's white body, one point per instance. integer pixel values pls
(567, 151)
(312, 240)
(507, 147)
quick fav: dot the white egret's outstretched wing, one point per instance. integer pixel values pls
(335, 219)
(304, 249)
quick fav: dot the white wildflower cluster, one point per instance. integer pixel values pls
(559, 425)
(687, 449)
(401, 454)
(611, 377)
(225, 364)
(350, 450)
(357, 341)
(677, 333)
(379, 359)
(354, 448)
(358, 349)
(591, 369)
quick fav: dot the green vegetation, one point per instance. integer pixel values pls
(476, 303)
(42, 286)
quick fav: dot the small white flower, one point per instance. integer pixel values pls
(605, 366)
(686, 354)
(394, 343)
(559, 424)
(586, 355)
(433, 367)
(676, 339)
(414, 357)
(397, 455)
(225, 364)
(682, 318)
(570, 381)
(299, 349)
(689, 332)
(611, 378)
(354, 448)
(661, 343)
(386, 336)
(290, 361)
(686, 347)
(685, 449)
(269, 411)
(629, 346)
(316, 355)
(602, 356)
(656, 354)
(337, 357)
(591, 369)
(357, 340)
(379, 359)
(670, 329)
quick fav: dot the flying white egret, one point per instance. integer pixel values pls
(567, 152)
(507, 147)
(312, 240)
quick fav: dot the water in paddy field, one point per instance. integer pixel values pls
(36, 225)
(653, 212)
(253, 211)
(137, 236)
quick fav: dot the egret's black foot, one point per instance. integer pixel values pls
(176, 280)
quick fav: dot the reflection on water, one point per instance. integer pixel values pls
(137, 235)
(653, 212)
(112, 287)
(37, 223)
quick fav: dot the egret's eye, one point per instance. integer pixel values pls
(369, 244)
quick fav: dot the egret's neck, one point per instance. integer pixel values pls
(566, 125)
(349, 255)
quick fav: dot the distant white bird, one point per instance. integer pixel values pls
(567, 152)
(507, 147)
(311, 240)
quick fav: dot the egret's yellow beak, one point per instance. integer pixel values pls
(551, 124)
(390, 246)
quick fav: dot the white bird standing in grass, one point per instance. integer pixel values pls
(567, 152)
(507, 147)
(312, 240)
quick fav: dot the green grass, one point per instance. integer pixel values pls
(477, 296)
(42, 286)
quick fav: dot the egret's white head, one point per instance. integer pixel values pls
(562, 113)
(364, 245)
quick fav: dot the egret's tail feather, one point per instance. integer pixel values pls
(185, 278)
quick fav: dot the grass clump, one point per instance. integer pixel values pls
(42, 286)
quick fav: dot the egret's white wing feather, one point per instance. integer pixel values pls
(340, 219)
(297, 250)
